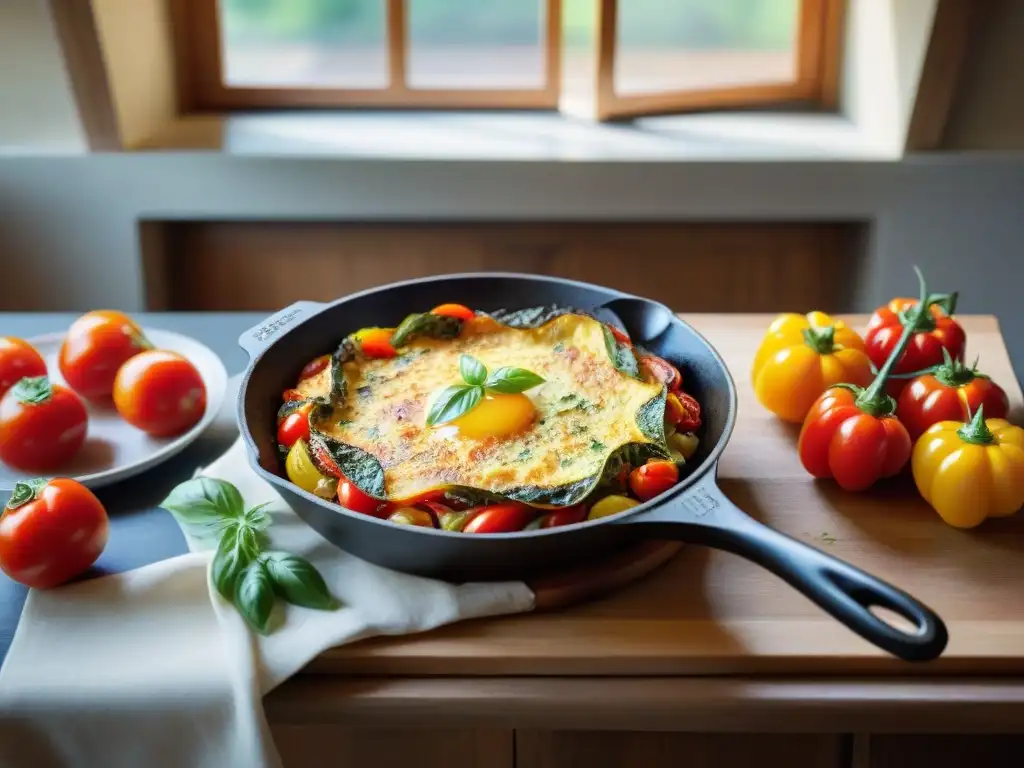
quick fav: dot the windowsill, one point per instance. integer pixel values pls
(526, 137)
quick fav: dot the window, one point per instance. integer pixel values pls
(623, 57)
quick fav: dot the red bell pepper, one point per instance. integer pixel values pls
(933, 331)
(851, 433)
(950, 392)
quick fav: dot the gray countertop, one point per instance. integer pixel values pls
(140, 532)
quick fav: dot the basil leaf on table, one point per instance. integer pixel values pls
(254, 596)
(296, 580)
(473, 371)
(205, 505)
(512, 381)
(453, 402)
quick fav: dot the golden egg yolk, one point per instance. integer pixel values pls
(496, 416)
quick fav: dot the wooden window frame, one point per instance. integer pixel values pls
(202, 86)
(818, 51)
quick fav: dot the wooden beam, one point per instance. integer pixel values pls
(78, 36)
(947, 49)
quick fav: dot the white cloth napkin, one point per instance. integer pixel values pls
(153, 668)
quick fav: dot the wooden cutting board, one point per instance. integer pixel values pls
(710, 612)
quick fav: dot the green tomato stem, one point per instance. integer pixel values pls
(977, 431)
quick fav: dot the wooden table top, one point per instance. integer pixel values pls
(708, 612)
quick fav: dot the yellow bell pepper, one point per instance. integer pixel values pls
(803, 355)
(970, 472)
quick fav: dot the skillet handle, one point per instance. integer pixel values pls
(703, 514)
(256, 340)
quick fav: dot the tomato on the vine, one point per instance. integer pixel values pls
(160, 392)
(18, 359)
(97, 345)
(458, 311)
(953, 392)
(42, 425)
(50, 532)
(653, 478)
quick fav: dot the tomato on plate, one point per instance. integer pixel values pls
(160, 392)
(42, 425)
(97, 345)
(458, 311)
(294, 427)
(653, 478)
(500, 518)
(51, 531)
(314, 366)
(18, 359)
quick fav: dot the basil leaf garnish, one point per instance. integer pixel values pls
(205, 505)
(296, 580)
(473, 371)
(426, 324)
(621, 355)
(453, 402)
(228, 563)
(254, 596)
(512, 381)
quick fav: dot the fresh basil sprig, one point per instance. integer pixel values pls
(458, 399)
(242, 570)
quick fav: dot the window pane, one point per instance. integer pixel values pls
(326, 43)
(689, 45)
(579, 56)
(466, 44)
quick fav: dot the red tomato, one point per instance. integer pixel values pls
(314, 366)
(841, 441)
(925, 348)
(690, 419)
(350, 497)
(500, 518)
(375, 342)
(927, 400)
(97, 345)
(654, 369)
(564, 516)
(160, 392)
(620, 335)
(653, 478)
(51, 531)
(42, 425)
(294, 427)
(458, 311)
(18, 359)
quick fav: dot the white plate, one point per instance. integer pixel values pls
(115, 450)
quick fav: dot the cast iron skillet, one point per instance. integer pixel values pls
(695, 510)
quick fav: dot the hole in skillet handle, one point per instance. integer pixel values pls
(704, 515)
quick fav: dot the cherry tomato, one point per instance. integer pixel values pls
(690, 422)
(160, 392)
(611, 505)
(97, 345)
(375, 342)
(42, 425)
(412, 516)
(620, 335)
(654, 369)
(51, 531)
(457, 311)
(314, 366)
(560, 517)
(927, 400)
(653, 478)
(350, 497)
(18, 359)
(294, 427)
(292, 394)
(500, 518)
